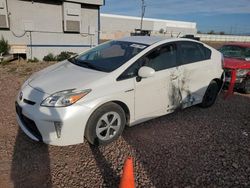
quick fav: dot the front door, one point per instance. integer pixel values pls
(155, 95)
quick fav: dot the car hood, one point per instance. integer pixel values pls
(63, 76)
(232, 63)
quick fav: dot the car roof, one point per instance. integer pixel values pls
(241, 44)
(148, 40)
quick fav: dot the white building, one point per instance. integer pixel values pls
(39, 27)
(35, 28)
(116, 26)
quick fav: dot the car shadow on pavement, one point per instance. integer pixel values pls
(31, 161)
(194, 147)
(110, 177)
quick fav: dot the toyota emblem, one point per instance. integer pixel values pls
(21, 96)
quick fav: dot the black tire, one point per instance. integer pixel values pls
(210, 96)
(246, 85)
(95, 120)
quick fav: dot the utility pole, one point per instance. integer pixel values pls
(143, 6)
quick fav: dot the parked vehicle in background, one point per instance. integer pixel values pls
(122, 82)
(237, 61)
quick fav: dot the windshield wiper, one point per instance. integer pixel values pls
(87, 64)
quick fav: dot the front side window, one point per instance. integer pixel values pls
(232, 51)
(191, 52)
(108, 56)
(158, 59)
(132, 71)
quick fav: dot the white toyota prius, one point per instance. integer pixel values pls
(120, 83)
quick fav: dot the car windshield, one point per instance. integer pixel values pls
(233, 51)
(108, 56)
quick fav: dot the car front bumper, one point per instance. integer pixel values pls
(238, 83)
(55, 126)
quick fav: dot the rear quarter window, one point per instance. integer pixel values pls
(207, 52)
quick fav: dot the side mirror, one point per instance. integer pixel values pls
(146, 72)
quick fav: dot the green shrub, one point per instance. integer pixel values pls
(34, 60)
(49, 57)
(161, 31)
(64, 55)
(4, 46)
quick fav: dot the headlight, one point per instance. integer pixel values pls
(242, 72)
(64, 98)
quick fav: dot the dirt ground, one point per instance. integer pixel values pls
(190, 148)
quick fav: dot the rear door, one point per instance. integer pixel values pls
(194, 61)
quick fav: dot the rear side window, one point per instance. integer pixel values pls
(191, 52)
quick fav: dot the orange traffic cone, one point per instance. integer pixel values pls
(127, 179)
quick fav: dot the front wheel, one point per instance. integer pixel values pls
(105, 124)
(210, 96)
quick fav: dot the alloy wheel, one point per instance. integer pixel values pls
(108, 126)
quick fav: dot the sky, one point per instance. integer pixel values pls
(230, 16)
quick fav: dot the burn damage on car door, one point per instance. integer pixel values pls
(180, 94)
(175, 96)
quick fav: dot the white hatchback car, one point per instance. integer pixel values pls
(121, 82)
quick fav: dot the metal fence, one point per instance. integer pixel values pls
(223, 38)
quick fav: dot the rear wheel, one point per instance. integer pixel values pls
(246, 86)
(105, 124)
(211, 94)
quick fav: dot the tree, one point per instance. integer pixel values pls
(211, 32)
(4, 46)
(222, 33)
(161, 31)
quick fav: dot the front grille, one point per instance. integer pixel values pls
(28, 123)
(228, 73)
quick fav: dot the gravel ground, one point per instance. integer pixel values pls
(190, 148)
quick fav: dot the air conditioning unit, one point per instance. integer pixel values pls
(71, 17)
(4, 21)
